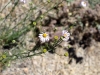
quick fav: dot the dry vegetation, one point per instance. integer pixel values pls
(21, 23)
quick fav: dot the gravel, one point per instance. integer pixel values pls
(57, 64)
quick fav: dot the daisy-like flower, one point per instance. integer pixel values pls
(44, 37)
(83, 4)
(23, 1)
(65, 35)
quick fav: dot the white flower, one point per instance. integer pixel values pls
(83, 4)
(44, 37)
(23, 1)
(65, 35)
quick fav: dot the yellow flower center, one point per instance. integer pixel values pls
(65, 35)
(84, 3)
(44, 35)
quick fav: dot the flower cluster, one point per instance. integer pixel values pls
(44, 37)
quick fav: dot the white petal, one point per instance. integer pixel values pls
(83, 4)
(64, 32)
(40, 34)
(68, 34)
(47, 39)
(43, 40)
(66, 39)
